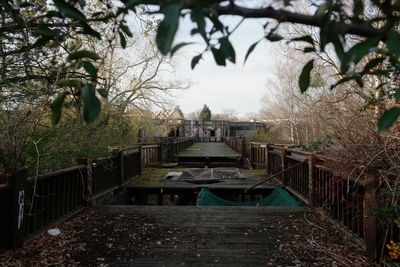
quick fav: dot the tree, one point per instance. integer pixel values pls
(227, 115)
(194, 115)
(205, 114)
(54, 26)
(43, 81)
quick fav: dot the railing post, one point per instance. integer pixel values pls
(18, 182)
(122, 173)
(159, 153)
(251, 153)
(170, 150)
(89, 183)
(243, 148)
(267, 158)
(311, 180)
(283, 164)
(370, 181)
(140, 160)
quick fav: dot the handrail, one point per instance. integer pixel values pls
(273, 176)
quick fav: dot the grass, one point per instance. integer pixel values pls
(153, 176)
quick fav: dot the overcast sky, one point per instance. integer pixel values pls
(239, 86)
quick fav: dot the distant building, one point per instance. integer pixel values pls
(169, 122)
(172, 123)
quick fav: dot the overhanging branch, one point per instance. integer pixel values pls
(279, 15)
(286, 16)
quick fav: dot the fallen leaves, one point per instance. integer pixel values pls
(90, 239)
(94, 239)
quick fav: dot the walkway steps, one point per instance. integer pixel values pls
(212, 236)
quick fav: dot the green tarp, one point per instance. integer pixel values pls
(278, 197)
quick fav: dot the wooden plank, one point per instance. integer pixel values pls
(212, 236)
(212, 149)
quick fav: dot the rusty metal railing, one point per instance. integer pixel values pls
(315, 179)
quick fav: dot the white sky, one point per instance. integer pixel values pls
(239, 86)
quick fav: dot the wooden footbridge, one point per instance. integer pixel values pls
(164, 179)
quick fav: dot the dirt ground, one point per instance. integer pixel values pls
(96, 239)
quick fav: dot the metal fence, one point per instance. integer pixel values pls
(52, 196)
(30, 205)
(236, 143)
(151, 155)
(314, 178)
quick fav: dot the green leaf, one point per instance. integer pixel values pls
(380, 72)
(287, 2)
(250, 50)
(393, 43)
(82, 3)
(343, 80)
(274, 37)
(69, 11)
(46, 31)
(167, 28)
(179, 46)
(195, 61)
(213, 16)
(103, 92)
(91, 104)
(70, 83)
(304, 80)
(53, 13)
(227, 49)
(89, 30)
(92, 70)
(126, 30)
(56, 107)
(218, 56)
(306, 38)
(397, 94)
(132, 3)
(309, 49)
(372, 64)
(359, 81)
(122, 40)
(358, 7)
(82, 54)
(388, 118)
(42, 41)
(358, 51)
(197, 16)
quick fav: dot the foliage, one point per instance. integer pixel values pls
(374, 55)
(55, 67)
(35, 28)
(205, 114)
(42, 148)
(271, 136)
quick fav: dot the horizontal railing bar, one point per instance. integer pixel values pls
(295, 158)
(150, 146)
(299, 152)
(273, 176)
(56, 173)
(4, 187)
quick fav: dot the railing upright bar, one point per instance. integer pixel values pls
(311, 180)
(370, 181)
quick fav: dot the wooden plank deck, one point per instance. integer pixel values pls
(213, 236)
(212, 149)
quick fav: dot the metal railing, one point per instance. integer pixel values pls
(236, 143)
(36, 202)
(314, 178)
